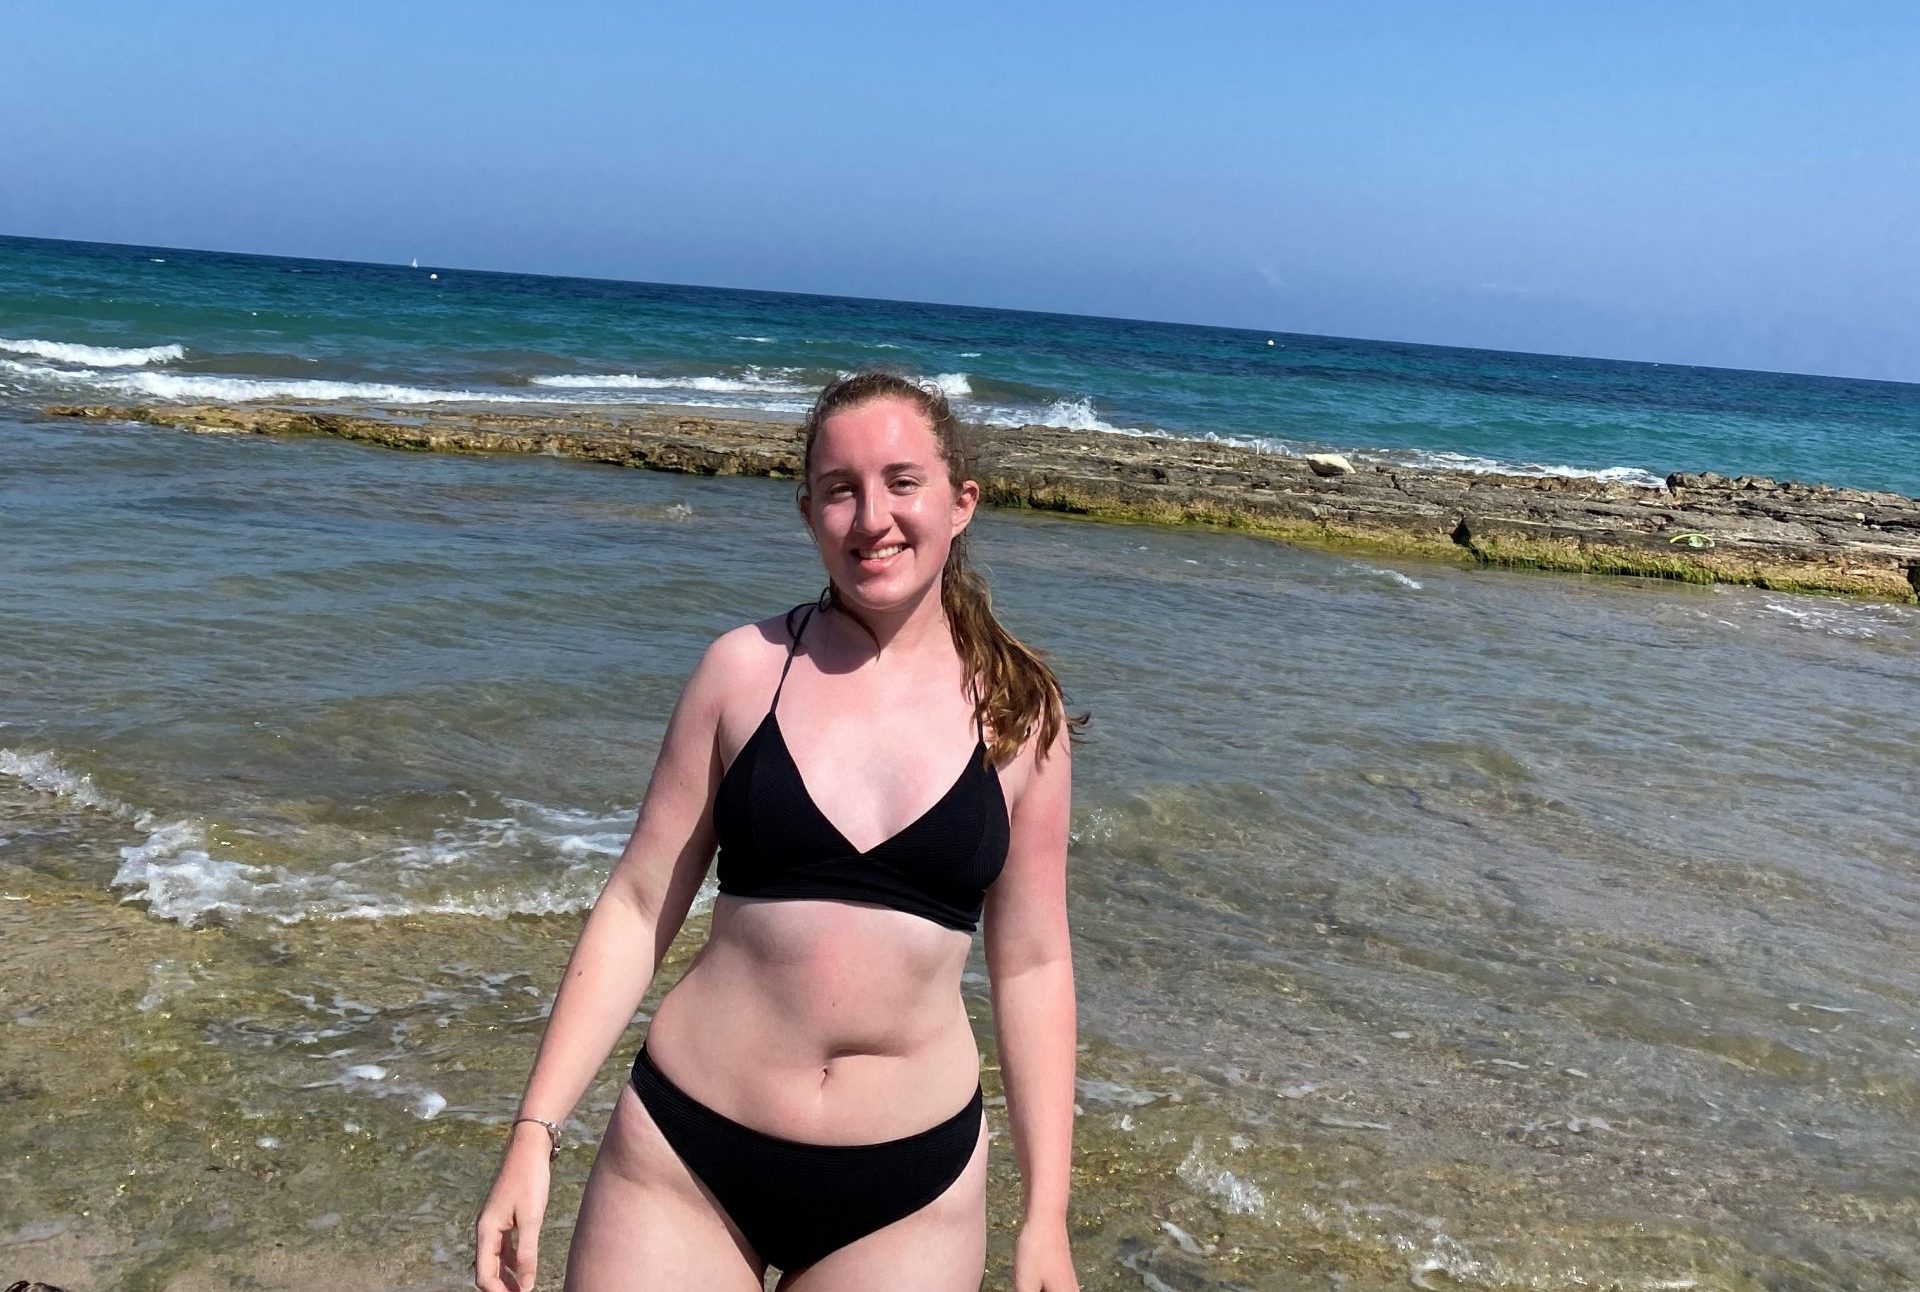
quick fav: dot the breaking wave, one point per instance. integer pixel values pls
(752, 381)
(236, 390)
(1443, 460)
(1067, 414)
(535, 859)
(94, 356)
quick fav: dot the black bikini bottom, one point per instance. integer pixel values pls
(797, 1202)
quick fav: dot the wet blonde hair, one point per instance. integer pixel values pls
(1016, 692)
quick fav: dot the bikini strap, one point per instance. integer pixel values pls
(792, 645)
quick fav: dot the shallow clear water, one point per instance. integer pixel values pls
(1434, 926)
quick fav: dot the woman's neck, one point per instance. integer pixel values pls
(900, 630)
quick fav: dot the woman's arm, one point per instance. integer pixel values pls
(1030, 963)
(644, 903)
(633, 922)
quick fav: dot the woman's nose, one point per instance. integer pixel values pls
(873, 516)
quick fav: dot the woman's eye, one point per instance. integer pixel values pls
(905, 483)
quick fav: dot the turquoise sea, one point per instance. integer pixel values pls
(1434, 928)
(82, 321)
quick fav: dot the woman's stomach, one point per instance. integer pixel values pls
(826, 1022)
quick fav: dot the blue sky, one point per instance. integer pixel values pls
(1732, 184)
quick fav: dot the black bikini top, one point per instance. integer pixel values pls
(776, 843)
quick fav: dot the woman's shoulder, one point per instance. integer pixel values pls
(741, 654)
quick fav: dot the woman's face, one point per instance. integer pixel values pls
(880, 505)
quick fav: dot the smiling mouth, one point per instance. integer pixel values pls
(880, 553)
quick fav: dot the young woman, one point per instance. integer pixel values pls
(881, 771)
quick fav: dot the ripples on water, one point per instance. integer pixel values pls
(1450, 927)
(83, 322)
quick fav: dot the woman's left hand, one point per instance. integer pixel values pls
(1042, 1261)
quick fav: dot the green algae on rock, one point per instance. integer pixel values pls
(1701, 528)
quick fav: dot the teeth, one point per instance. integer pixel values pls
(881, 553)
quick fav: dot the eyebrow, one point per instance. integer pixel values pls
(888, 469)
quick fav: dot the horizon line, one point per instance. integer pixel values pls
(999, 309)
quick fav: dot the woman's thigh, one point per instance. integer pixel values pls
(940, 1248)
(647, 1223)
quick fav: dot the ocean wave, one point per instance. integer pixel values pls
(752, 381)
(180, 880)
(1080, 415)
(1445, 460)
(761, 340)
(1395, 575)
(1842, 618)
(771, 391)
(94, 356)
(1067, 414)
(170, 850)
(237, 390)
(456, 872)
(792, 407)
(46, 773)
(765, 396)
(536, 860)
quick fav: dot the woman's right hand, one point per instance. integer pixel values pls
(506, 1235)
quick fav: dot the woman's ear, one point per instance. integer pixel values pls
(966, 501)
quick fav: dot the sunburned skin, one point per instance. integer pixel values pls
(834, 1022)
(819, 1020)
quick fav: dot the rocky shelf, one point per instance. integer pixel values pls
(1701, 528)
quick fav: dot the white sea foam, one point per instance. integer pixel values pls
(1395, 575)
(1445, 460)
(376, 1081)
(172, 871)
(95, 356)
(752, 381)
(764, 395)
(953, 385)
(167, 385)
(175, 869)
(763, 340)
(170, 867)
(1242, 1197)
(180, 880)
(46, 773)
(1067, 414)
(1079, 415)
(1433, 460)
(969, 354)
(754, 403)
(1842, 618)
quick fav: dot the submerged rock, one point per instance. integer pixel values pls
(1699, 528)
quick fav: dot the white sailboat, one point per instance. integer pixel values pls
(416, 262)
